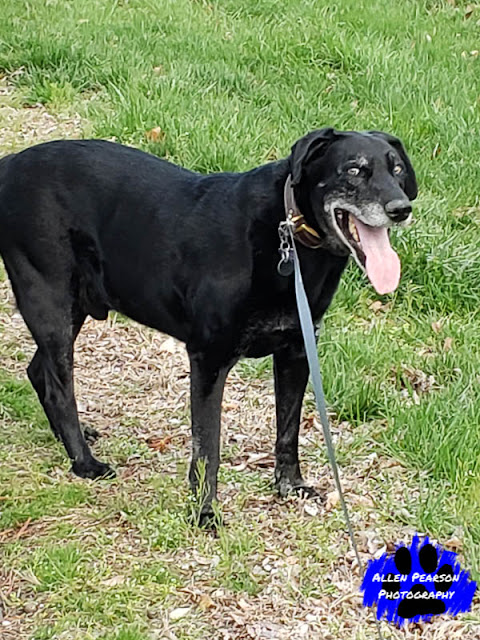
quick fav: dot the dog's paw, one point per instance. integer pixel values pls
(210, 521)
(305, 491)
(287, 487)
(93, 469)
(207, 519)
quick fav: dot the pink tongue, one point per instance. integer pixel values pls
(383, 264)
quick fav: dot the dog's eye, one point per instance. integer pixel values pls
(397, 169)
(353, 171)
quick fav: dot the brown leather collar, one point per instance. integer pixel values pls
(302, 232)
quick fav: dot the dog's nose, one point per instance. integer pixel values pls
(398, 210)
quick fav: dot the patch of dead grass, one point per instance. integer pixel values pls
(22, 127)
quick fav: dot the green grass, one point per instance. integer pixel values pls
(232, 85)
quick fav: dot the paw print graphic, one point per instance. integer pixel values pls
(419, 601)
(421, 580)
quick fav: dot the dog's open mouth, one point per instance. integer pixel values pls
(370, 246)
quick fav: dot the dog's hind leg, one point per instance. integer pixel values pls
(36, 373)
(51, 314)
(51, 372)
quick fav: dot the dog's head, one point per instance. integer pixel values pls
(353, 187)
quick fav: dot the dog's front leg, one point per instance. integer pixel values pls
(290, 368)
(207, 384)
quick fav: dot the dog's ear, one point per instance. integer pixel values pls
(410, 182)
(308, 147)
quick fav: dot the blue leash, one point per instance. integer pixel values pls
(289, 254)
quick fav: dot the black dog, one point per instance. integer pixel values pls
(89, 226)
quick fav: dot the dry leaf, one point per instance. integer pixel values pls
(425, 352)
(159, 444)
(405, 513)
(237, 619)
(373, 545)
(447, 345)
(155, 135)
(178, 613)
(273, 155)
(311, 508)
(332, 500)
(30, 607)
(308, 422)
(241, 466)
(420, 381)
(114, 581)
(376, 306)
(454, 544)
(261, 460)
(205, 602)
(168, 346)
(437, 326)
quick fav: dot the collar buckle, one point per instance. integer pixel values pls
(302, 231)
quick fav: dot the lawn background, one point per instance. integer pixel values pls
(229, 85)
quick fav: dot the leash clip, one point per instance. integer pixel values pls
(285, 266)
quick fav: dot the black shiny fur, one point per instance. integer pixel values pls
(90, 226)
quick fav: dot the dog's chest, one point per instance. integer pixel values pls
(274, 323)
(267, 331)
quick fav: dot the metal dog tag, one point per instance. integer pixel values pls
(285, 266)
